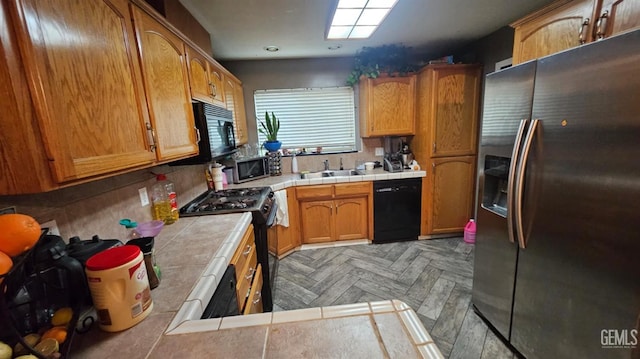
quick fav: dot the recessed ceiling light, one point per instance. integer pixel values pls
(272, 48)
(334, 47)
(358, 19)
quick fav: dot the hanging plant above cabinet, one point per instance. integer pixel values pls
(394, 59)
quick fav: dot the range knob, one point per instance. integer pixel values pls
(271, 194)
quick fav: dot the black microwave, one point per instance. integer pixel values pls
(215, 125)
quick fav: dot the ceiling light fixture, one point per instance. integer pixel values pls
(272, 48)
(358, 19)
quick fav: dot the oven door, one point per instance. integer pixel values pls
(224, 302)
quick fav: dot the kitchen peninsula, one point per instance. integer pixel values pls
(193, 253)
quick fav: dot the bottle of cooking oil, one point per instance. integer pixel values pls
(164, 198)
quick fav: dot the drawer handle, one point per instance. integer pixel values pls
(250, 275)
(246, 253)
(257, 300)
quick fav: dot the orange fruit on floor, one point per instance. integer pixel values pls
(18, 233)
(5, 264)
(57, 333)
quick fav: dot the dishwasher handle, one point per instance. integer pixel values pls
(395, 189)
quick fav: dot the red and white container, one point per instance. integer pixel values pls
(470, 232)
(119, 287)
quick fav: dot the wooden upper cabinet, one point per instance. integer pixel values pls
(84, 82)
(559, 26)
(452, 108)
(566, 24)
(616, 16)
(450, 187)
(235, 102)
(164, 70)
(387, 106)
(205, 79)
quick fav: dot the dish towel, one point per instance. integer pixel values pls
(282, 214)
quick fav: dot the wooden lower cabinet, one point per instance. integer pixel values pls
(447, 195)
(245, 260)
(351, 218)
(317, 221)
(335, 212)
(254, 300)
(285, 239)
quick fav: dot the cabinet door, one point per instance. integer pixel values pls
(447, 194)
(454, 98)
(316, 220)
(235, 102)
(553, 30)
(617, 16)
(166, 82)
(217, 85)
(284, 239)
(387, 106)
(254, 302)
(351, 218)
(199, 81)
(85, 84)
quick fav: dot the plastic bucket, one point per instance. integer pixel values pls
(119, 287)
(470, 232)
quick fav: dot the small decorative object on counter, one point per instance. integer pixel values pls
(216, 173)
(294, 163)
(119, 287)
(270, 128)
(164, 198)
(275, 163)
(131, 228)
(470, 232)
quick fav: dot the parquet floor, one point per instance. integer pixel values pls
(434, 277)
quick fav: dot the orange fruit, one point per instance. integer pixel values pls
(18, 233)
(5, 264)
(57, 333)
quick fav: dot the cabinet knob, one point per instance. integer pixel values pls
(247, 251)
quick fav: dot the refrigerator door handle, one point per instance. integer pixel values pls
(520, 182)
(512, 177)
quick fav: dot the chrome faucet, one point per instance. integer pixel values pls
(326, 165)
(341, 166)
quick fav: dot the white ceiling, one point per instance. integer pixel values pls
(240, 29)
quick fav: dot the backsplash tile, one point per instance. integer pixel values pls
(96, 207)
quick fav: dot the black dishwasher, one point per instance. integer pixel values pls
(396, 210)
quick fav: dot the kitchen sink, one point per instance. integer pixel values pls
(330, 173)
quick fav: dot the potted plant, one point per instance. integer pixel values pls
(270, 128)
(372, 61)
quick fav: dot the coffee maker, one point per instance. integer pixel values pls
(393, 154)
(406, 155)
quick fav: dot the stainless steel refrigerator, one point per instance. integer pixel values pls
(557, 256)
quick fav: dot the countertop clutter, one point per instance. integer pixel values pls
(194, 252)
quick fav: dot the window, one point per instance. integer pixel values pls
(311, 117)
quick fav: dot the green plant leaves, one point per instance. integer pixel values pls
(390, 59)
(270, 130)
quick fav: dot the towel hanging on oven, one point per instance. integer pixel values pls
(282, 213)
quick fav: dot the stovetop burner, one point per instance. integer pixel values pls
(257, 200)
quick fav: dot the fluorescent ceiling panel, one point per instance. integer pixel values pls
(362, 17)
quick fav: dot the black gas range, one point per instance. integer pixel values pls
(263, 207)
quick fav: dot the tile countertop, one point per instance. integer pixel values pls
(193, 254)
(289, 180)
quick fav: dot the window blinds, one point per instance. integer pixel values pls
(311, 117)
